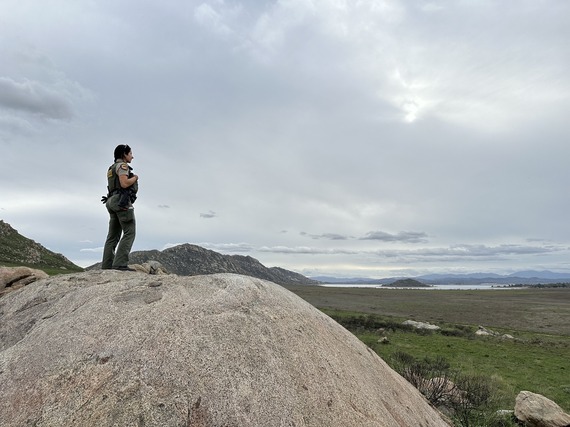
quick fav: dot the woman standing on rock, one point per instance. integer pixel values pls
(123, 186)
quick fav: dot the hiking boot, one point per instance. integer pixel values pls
(124, 268)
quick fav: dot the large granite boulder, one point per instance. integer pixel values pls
(107, 348)
(535, 410)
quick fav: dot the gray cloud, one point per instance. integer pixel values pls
(402, 236)
(209, 214)
(454, 253)
(12, 125)
(465, 252)
(327, 236)
(94, 250)
(300, 250)
(35, 98)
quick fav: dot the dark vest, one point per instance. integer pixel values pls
(113, 184)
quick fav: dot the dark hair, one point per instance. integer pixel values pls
(122, 150)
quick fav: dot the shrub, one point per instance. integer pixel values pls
(476, 393)
(468, 399)
(430, 376)
(457, 332)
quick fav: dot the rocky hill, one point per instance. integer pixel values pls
(16, 249)
(192, 260)
(107, 348)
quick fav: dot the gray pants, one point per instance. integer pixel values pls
(120, 222)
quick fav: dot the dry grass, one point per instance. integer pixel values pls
(534, 310)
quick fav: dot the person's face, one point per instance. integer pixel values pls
(128, 157)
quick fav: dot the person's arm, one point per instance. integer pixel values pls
(127, 182)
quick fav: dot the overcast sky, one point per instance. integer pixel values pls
(329, 137)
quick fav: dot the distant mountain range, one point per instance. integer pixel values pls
(191, 260)
(526, 277)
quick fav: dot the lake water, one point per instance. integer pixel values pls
(462, 287)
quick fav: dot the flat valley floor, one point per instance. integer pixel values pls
(541, 310)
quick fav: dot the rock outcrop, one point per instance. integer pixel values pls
(12, 278)
(535, 410)
(108, 348)
(151, 267)
(421, 325)
(485, 332)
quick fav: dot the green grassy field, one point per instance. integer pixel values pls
(538, 359)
